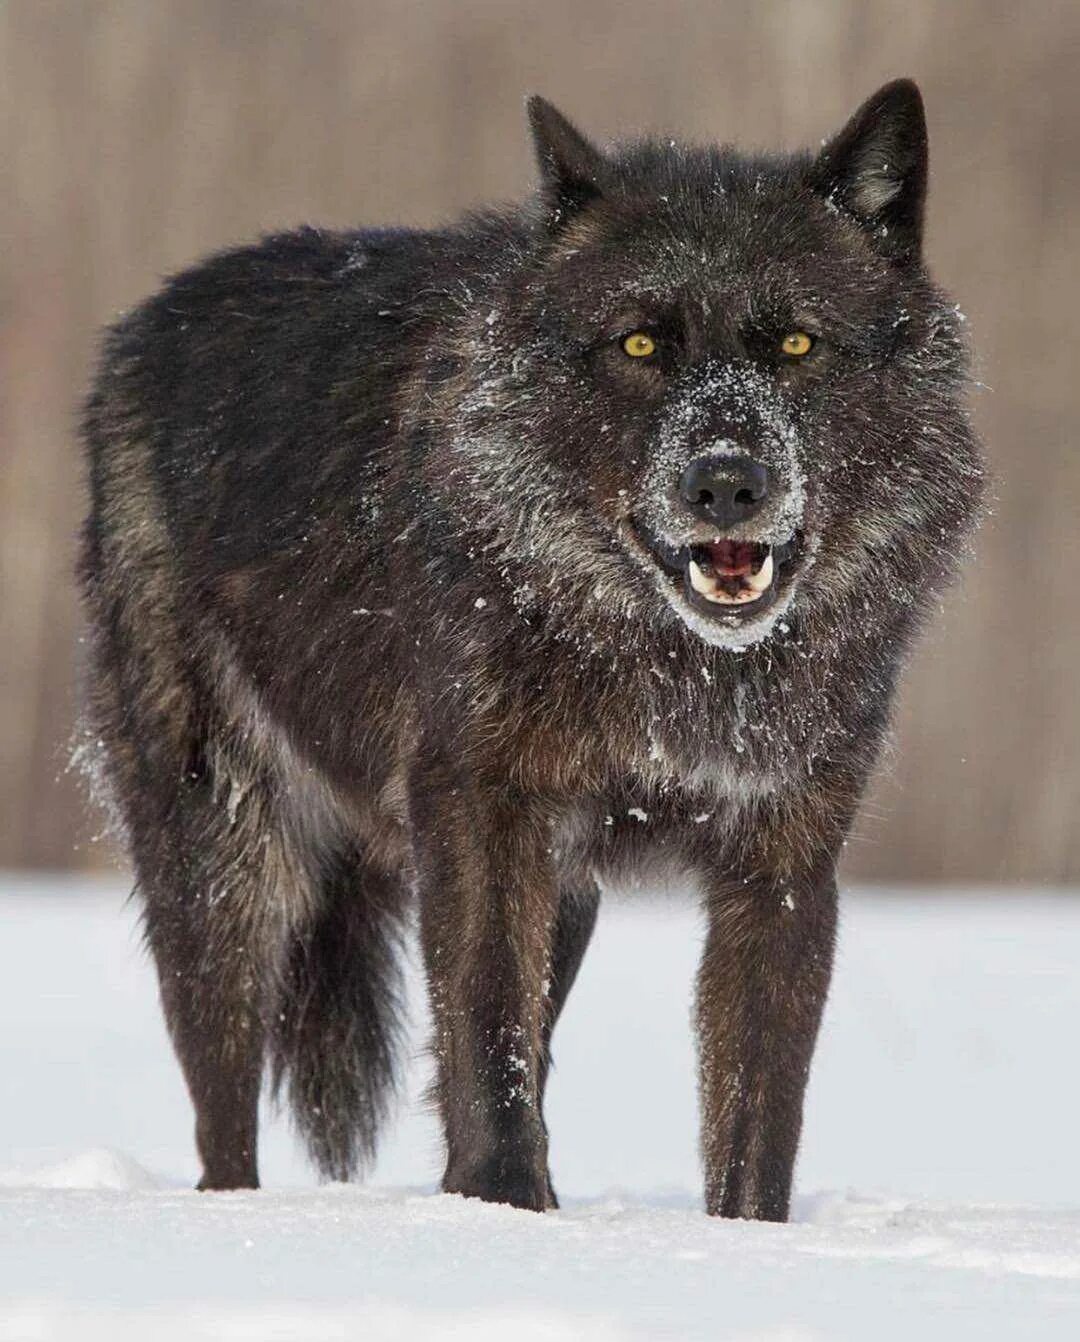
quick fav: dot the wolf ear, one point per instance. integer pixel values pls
(876, 169)
(571, 168)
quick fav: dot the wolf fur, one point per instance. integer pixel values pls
(386, 569)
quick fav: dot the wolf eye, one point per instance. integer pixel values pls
(797, 343)
(639, 345)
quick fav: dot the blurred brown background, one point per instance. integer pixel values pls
(137, 134)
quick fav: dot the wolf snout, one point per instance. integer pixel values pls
(724, 490)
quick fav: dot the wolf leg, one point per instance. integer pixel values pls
(203, 926)
(761, 990)
(488, 910)
(574, 926)
(211, 1004)
(222, 879)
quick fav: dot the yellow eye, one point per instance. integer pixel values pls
(639, 345)
(796, 343)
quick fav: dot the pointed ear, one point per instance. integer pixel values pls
(571, 169)
(876, 169)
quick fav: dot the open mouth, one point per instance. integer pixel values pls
(722, 577)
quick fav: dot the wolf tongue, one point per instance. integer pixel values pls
(732, 559)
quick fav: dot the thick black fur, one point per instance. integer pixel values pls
(388, 572)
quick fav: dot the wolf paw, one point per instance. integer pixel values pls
(508, 1180)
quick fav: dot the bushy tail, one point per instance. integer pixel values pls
(335, 1035)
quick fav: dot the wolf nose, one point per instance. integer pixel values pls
(724, 490)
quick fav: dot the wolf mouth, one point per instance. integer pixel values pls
(723, 578)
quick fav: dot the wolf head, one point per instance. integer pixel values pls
(714, 389)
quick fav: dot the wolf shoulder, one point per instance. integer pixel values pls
(294, 317)
(320, 286)
(263, 385)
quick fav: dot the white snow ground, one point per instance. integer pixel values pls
(944, 1091)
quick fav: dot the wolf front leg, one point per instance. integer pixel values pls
(488, 908)
(761, 990)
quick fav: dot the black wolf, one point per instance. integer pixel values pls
(463, 567)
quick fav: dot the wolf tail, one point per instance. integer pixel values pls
(335, 1038)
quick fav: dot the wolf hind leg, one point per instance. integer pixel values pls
(210, 992)
(334, 1039)
(222, 876)
(575, 922)
(214, 891)
(195, 771)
